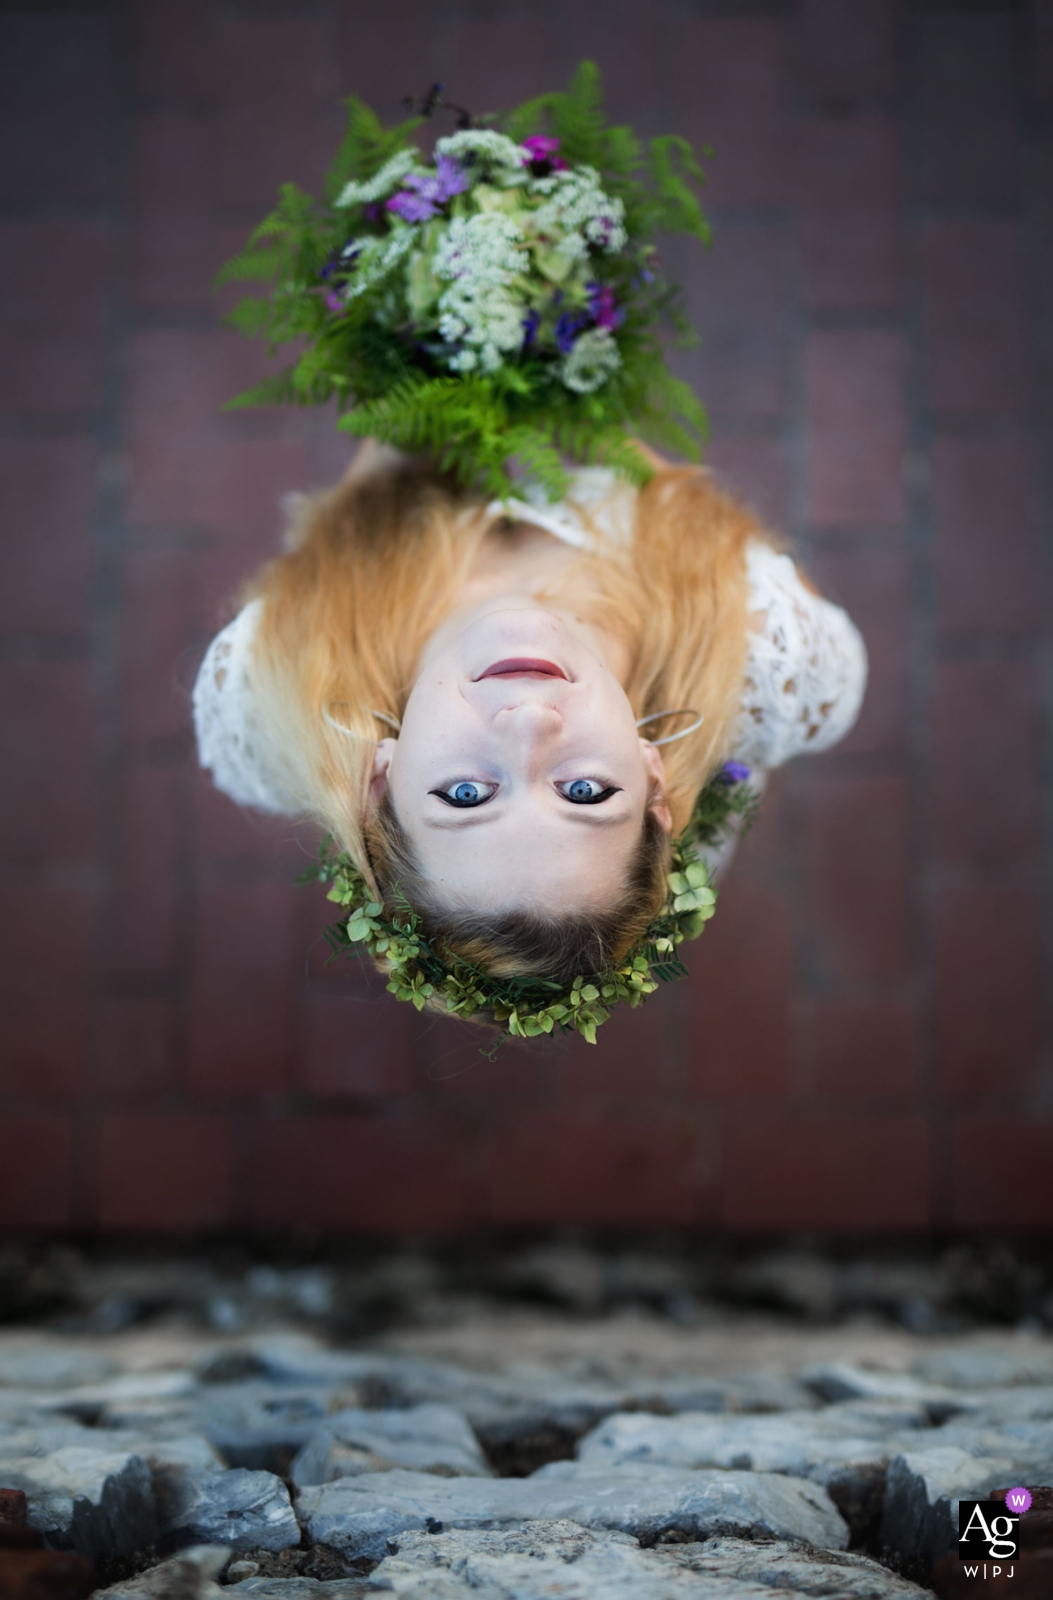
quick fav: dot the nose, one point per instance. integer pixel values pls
(528, 724)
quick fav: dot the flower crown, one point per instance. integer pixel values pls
(503, 300)
(418, 971)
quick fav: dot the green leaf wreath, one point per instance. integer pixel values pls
(502, 301)
(421, 972)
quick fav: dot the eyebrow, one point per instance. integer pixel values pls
(580, 814)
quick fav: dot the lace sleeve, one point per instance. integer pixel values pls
(231, 742)
(806, 669)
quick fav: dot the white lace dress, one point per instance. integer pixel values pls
(805, 671)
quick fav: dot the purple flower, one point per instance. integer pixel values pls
(423, 194)
(531, 323)
(541, 155)
(541, 146)
(333, 302)
(568, 327)
(605, 312)
(411, 207)
(733, 772)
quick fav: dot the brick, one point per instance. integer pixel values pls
(1001, 1168)
(754, 469)
(597, 1169)
(187, 467)
(150, 870)
(865, 1048)
(633, 1056)
(36, 1174)
(987, 953)
(1040, 51)
(373, 62)
(854, 413)
(974, 288)
(45, 976)
(638, 44)
(359, 1043)
(858, 876)
(985, 763)
(874, 588)
(489, 63)
(362, 1174)
(166, 1173)
(839, 1173)
(175, 48)
(47, 495)
(740, 994)
(451, 1061)
(177, 246)
(850, 198)
(736, 298)
(52, 304)
(134, 1044)
(848, 53)
(239, 842)
(156, 644)
(733, 92)
(48, 712)
(968, 136)
(242, 1009)
(57, 75)
(984, 559)
(277, 107)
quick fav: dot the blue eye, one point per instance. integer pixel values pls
(586, 791)
(466, 793)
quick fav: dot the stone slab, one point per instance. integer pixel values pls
(246, 1510)
(537, 1561)
(357, 1516)
(922, 1492)
(84, 1498)
(422, 1438)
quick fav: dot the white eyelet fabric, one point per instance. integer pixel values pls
(805, 675)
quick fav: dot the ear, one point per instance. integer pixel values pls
(382, 758)
(656, 769)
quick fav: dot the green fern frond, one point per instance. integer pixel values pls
(365, 147)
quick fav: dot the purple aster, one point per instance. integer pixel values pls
(424, 194)
(605, 312)
(733, 772)
(568, 327)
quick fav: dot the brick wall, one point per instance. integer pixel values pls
(864, 1042)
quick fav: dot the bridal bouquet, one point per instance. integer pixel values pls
(503, 300)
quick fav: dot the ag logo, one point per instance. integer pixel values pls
(986, 1531)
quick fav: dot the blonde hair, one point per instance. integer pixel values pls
(377, 563)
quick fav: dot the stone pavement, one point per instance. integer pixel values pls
(862, 1041)
(183, 1466)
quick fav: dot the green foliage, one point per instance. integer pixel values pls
(420, 972)
(366, 356)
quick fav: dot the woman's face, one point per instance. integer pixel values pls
(518, 774)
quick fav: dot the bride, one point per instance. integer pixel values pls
(529, 714)
(504, 713)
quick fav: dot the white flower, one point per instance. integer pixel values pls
(493, 150)
(578, 212)
(591, 360)
(381, 184)
(378, 258)
(481, 257)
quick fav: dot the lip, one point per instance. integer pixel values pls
(523, 667)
